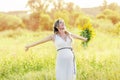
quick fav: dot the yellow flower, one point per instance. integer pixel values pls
(79, 27)
(86, 30)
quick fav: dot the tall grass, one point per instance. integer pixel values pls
(100, 61)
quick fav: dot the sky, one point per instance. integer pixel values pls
(12, 5)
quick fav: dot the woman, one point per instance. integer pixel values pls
(65, 64)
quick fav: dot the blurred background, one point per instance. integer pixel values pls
(39, 14)
(25, 21)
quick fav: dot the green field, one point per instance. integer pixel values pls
(100, 61)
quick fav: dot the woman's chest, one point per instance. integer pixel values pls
(62, 42)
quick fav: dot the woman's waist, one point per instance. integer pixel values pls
(65, 48)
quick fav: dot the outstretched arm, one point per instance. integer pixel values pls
(39, 42)
(79, 37)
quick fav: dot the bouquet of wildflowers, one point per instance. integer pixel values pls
(86, 30)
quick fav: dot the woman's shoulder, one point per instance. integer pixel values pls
(53, 36)
(68, 33)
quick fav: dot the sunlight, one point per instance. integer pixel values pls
(8, 5)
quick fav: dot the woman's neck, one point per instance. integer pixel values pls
(61, 33)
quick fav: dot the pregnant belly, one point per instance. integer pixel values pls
(65, 54)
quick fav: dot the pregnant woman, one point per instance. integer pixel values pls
(65, 62)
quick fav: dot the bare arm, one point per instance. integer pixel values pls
(48, 38)
(79, 37)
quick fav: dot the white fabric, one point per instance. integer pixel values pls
(65, 65)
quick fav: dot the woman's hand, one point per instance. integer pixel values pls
(27, 48)
(85, 39)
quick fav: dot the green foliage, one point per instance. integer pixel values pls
(82, 20)
(74, 18)
(33, 22)
(42, 17)
(105, 25)
(41, 21)
(10, 22)
(113, 6)
(117, 28)
(39, 5)
(45, 22)
(101, 16)
(62, 14)
(109, 14)
(86, 33)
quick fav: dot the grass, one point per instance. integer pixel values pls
(100, 61)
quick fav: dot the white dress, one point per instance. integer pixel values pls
(65, 62)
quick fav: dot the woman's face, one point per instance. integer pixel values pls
(61, 27)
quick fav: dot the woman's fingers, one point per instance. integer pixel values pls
(85, 39)
(26, 48)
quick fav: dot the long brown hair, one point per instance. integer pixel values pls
(56, 25)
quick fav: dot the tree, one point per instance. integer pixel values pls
(113, 6)
(104, 5)
(70, 6)
(39, 5)
(58, 5)
(111, 15)
(10, 22)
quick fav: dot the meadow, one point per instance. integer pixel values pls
(99, 61)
